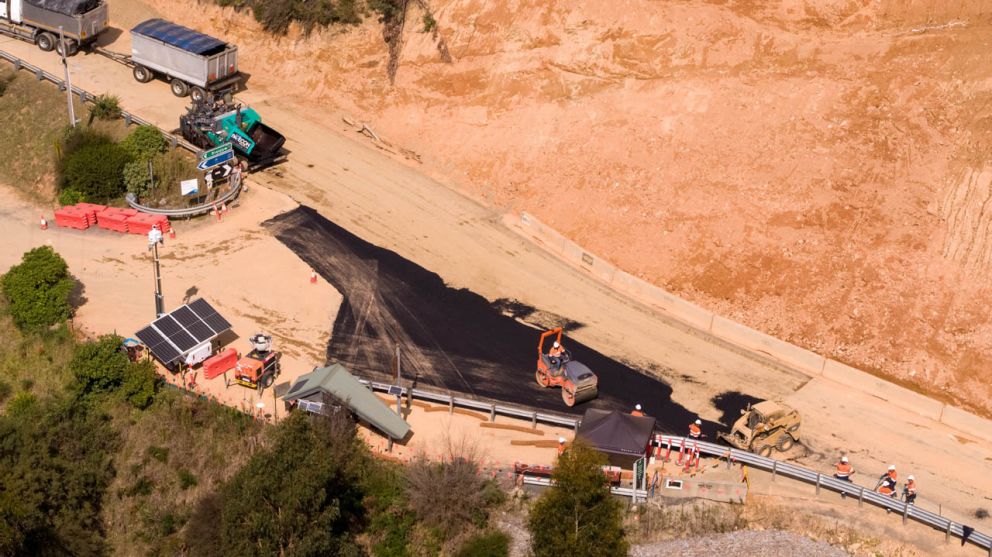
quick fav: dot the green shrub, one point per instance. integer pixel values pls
(430, 23)
(70, 197)
(186, 478)
(171, 168)
(21, 404)
(96, 171)
(143, 143)
(487, 544)
(277, 15)
(142, 487)
(38, 290)
(136, 178)
(105, 107)
(100, 367)
(160, 454)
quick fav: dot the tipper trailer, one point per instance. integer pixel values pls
(39, 21)
(194, 64)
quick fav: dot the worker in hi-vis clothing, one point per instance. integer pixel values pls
(694, 430)
(909, 490)
(844, 470)
(637, 411)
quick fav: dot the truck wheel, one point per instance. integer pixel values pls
(764, 450)
(45, 41)
(179, 87)
(142, 74)
(268, 380)
(542, 378)
(71, 47)
(197, 94)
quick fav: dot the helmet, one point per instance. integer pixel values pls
(910, 478)
(637, 407)
(699, 422)
(892, 467)
(561, 439)
(843, 459)
(556, 345)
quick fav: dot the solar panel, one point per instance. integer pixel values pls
(171, 336)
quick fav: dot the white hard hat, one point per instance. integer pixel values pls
(637, 406)
(892, 467)
(699, 422)
(561, 439)
(556, 345)
(843, 459)
(910, 478)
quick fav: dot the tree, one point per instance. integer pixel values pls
(577, 516)
(56, 469)
(452, 494)
(96, 171)
(143, 143)
(301, 496)
(101, 367)
(38, 290)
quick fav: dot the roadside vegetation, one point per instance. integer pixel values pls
(97, 161)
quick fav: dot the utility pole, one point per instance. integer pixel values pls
(154, 239)
(68, 82)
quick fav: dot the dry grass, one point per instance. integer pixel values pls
(174, 453)
(32, 364)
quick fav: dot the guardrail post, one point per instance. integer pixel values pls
(17, 65)
(173, 142)
(492, 412)
(947, 533)
(38, 74)
(905, 511)
(533, 420)
(774, 469)
(82, 96)
(127, 119)
(861, 497)
(819, 476)
(451, 404)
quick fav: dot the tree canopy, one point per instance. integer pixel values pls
(577, 516)
(101, 367)
(38, 290)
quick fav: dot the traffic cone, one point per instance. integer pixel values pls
(44, 223)
(223, 208)
(313, 276)
(172, 233)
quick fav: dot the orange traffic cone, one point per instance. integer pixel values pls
(44, 223)
(172, 233)
(313, 276)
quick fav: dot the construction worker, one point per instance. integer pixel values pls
(844, 470)
(561, 445)
(909, 490)
(695, 431)
(637, 411)
(887, 483)
(555, 354)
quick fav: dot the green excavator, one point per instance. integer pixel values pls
(213, 122)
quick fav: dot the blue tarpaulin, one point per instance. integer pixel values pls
(178, 36)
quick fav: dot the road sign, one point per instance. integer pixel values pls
(211, 153)
(215, 161)
(221, 172)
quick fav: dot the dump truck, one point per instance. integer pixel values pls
(765, 426)
(212, 123)
(578, 383)
(259, 368)
(40, 21)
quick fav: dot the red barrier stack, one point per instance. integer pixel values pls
(115, 219)
(142, 223)
(72, 217)
(219, 363)
(91, 209)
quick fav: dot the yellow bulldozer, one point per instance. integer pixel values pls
(765, 426)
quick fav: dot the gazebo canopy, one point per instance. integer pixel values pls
(616, 432)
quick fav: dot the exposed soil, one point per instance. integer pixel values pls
(814, 169)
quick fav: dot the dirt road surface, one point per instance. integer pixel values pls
(392, 205)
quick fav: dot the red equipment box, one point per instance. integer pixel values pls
(219, 363)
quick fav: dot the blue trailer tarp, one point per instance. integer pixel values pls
(179, 36)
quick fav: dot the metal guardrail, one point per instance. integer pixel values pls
(491, 408)
(849, 489)
(642, 494)
(236, 182)
(86, 96)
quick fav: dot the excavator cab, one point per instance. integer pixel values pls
(578, 383)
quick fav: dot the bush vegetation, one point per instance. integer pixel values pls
(96, 171)
(38, 290)
(105, 107)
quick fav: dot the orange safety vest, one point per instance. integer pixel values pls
(637, 413)
(892, 474)
(694, 431)
(911, 487)
(844, 469)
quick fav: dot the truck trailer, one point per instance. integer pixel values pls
(39, 21)
(192, 63)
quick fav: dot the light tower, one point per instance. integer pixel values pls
(154, 239)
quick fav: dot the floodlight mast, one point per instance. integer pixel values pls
(154, 239)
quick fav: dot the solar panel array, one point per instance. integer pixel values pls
(174, 334)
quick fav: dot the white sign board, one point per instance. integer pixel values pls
(189, 187)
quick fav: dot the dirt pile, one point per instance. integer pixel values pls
(816, 170)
